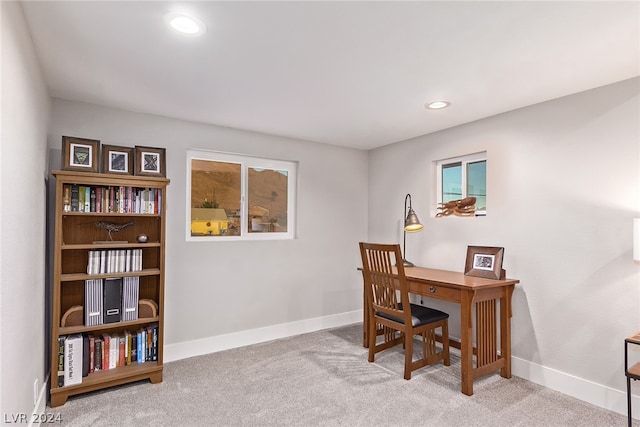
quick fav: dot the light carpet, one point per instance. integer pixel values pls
(323, 379)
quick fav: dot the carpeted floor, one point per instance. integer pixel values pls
(324, 379)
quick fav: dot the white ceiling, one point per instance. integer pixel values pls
(354, 74)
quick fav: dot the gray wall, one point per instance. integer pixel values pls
(23, 171)
(563, 186)
(218, 288)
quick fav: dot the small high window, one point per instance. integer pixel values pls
(462, 177)
(235, 197)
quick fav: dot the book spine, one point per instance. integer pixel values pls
(66, 198)
(154, 346)
(61, 341)
(121, 351)
(98, 354)
(73, 360)
(105, 352)
(112, 198)
(75, 198)
(98, 199)
(87, 199)
(86, 355)
(139, 350)
(81, 194)
(92, 200)
(92, 354)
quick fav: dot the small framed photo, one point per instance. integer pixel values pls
(149, 161)
(116, 159)
(484, 261)
(79, 154)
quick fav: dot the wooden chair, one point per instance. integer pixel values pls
(388, 305)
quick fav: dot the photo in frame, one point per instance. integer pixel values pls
(117, 159)
(149, 161)
(80, 154)
(484, 261)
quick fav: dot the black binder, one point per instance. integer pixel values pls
(112, 300)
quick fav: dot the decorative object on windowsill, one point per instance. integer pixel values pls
(485, 261)
(636, 239)
(460, 207)
(411, 225)
(113, 227)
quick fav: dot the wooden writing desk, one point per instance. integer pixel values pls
(469, 292)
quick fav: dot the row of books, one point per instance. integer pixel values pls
(106, 199)
(114, 261)
(82, 354)
(111, 300)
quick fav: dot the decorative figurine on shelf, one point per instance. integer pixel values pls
(112, 227)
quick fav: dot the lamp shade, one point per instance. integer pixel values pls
(412, 223)
(636, 239)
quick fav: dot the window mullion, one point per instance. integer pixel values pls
(244, 209)
(465, 182)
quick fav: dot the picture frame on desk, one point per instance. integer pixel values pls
(117, 159)
(80, 154)
(484, 261)
(149, 161)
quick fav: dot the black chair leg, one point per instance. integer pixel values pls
(629, 402)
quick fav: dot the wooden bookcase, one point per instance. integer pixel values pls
(76, 235)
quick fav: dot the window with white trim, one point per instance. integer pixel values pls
(236, 197)
(462, 177)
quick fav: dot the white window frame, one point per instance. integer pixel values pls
(463, 160)
(246, 162)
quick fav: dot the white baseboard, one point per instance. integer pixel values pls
(40, 406)
(183, 350)
(588, 391)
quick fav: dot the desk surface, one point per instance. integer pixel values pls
(453, 278)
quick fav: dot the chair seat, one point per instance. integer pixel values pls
(419, 315)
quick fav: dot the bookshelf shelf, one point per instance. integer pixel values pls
(84, 276)
(69, 330)
(76, 247)
(82, 243)
(107, 214)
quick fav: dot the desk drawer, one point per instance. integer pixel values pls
(435, 291)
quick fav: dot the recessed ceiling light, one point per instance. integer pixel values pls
(185, 24)
(437, 105)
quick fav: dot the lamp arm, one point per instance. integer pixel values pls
(404, 231)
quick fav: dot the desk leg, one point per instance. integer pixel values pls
(466, 343)
(505, 332)
(629, 418)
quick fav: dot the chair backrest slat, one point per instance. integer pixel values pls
(383, 290)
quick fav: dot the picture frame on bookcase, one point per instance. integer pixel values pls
(149, 161)
(80, 154)
(117, 159)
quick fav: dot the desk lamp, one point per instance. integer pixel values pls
(411, 224)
